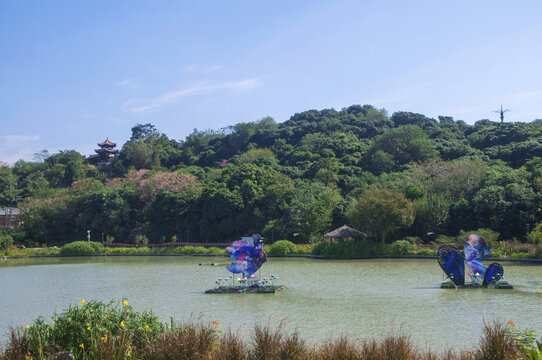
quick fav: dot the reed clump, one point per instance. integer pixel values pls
(189, 341)
(95, 330)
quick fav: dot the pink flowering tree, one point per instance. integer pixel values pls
(148, 183)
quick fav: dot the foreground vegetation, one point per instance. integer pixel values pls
(392, 177)
(95, 330)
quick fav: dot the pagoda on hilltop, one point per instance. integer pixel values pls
(106, 150)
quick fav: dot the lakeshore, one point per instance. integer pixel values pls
(503, 251)
(519, 260)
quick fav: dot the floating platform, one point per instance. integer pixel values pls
(271, 289)
(501, 284)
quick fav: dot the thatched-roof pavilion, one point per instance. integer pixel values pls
(344, 233)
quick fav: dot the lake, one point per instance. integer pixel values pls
(323, 298)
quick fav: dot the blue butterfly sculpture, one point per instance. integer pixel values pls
(452, 262)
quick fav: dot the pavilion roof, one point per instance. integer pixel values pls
(345, 232)
(107, 142)
(103, 151)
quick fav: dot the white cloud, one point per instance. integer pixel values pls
(146, 105)
(128, 83)
(16, 147)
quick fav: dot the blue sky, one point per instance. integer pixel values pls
(75, 72)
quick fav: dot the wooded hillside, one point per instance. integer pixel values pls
(390, 177)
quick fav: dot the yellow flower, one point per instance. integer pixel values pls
(28, 327)
(83, 302)
(518, 338)
(104, 339)
(82, 346)
(125, 303)
(88, 328)
(147, 327)
(122, 324)
(28, 357)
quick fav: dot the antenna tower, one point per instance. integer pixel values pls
(501, 112)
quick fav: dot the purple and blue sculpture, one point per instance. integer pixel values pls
(248, 255)
(451, 260)
(475, 252)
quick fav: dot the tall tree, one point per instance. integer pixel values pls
(8, 186)
(142, 132)
(404, 145)
(381, 211)
(311, 211)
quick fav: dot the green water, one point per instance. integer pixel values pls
(361, 298)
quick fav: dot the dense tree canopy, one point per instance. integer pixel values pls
(391, 176)
(8, 186)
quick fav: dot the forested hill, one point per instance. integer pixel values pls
(392, 177)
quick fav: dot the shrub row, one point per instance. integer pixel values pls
(335, 250)
(80, 248)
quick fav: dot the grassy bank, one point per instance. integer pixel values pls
(82, 248)
(94, 330)
(338, 250)
(367, 249)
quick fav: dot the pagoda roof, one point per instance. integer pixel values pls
(93, 159)
(107, 143)
(345, 232)
(111, 151)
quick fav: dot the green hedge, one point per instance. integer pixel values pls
(5, 239)
(400, 247)
(128, 250)
(80, 248)
(282, 248)
(350, 249)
